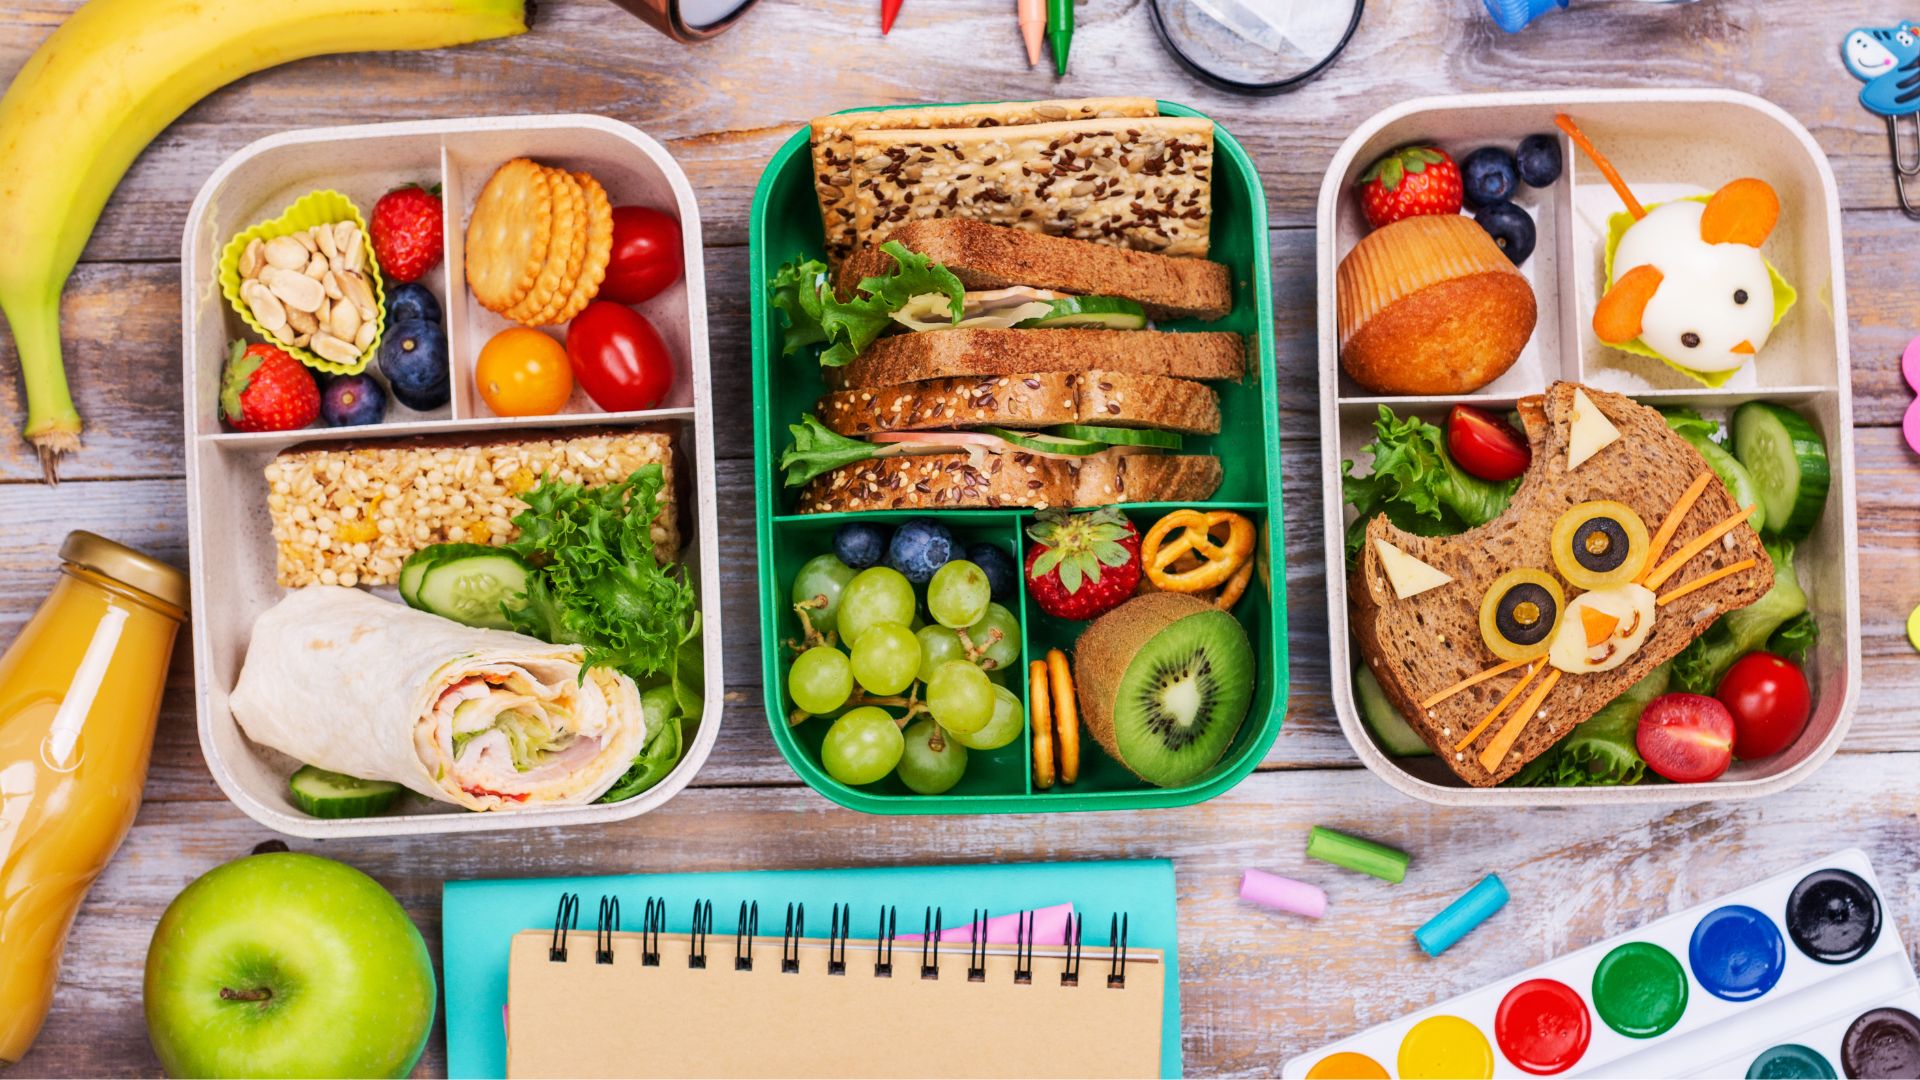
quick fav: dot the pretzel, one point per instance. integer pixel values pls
(1223, 558)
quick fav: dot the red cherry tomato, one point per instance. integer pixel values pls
(1770, 703)
(1485, 445)
(618, 358)
(646, 255)
(1686, 738)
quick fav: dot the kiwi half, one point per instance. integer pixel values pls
(1165, 680)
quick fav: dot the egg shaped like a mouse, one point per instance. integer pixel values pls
(1690, 283)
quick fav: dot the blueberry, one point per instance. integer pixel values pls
(1002, 576)
(919, 547)
(413, 357)
(1510, 227)
(860, 544)
(412, 300)
(351, 400)
(1488, 175)
(1539, 160)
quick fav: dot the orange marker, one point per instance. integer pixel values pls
(889, 10)
(1033, 27)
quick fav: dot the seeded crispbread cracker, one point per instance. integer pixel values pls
(833, 142)
(1141, 183)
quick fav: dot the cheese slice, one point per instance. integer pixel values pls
(1588, 430)
(1408, 575)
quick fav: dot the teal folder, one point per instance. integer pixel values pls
(478, 918)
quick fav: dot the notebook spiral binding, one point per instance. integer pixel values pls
(566, 919)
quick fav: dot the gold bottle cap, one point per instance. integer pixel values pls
(127, 566)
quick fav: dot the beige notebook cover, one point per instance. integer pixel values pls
(581, 1018)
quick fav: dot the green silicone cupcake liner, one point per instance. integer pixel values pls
(1783, 298)
(314, 208)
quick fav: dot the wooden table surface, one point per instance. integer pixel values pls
(1257, 987)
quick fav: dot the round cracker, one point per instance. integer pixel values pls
(508, 234)
(577, 254)
(593, 269)
(555, 280)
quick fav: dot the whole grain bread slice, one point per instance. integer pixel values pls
(944, 354)
(988, 256)
(832, 138)
(960, 481)
(1427, 643)
(1025, 401)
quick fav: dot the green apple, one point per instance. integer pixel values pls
(288, 965)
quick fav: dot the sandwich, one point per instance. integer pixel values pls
(976, 365)
(1618, 549)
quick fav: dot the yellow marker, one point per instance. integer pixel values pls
(1347, 1065)
(1913, 628)
(1445, 1046)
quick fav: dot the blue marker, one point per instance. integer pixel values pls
(1461, 916)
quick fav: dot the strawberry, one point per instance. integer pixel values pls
(406, 231)
(264, 389)
(1409, 182)
(1082, 564)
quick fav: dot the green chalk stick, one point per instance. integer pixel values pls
(1354, 853)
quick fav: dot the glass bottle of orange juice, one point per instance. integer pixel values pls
(79, 692)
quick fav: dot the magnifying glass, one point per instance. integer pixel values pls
(688, 21)
(1256, 46)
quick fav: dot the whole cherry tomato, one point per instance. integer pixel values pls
(1687, 738)
(646, 255)
(1770, 703)
(618, 357)
(523, 372)
(1485, 445)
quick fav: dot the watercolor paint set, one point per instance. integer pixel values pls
(1799, 975)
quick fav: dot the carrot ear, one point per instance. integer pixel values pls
(1743, 212)
(1616, 319)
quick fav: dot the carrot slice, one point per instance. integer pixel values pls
(1510, 734)
(1694, 547)
(1471, 680)
(1743, 212)
(1598, 625)
(1705, 580)
(1487, 720)
(1618, 317)
(1565, 123)
(1672, 524)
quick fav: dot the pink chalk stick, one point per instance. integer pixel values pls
(1049, 928)
(1282, 894)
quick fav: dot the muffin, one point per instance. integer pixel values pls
(1431, 305)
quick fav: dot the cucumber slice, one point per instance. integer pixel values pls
(1728, 468)
(418, 563)
(1046, 443)
(470, 589)
(1788, 462)
(1095, 312)
(1120, 436)
(324, 794)
(1395, 734)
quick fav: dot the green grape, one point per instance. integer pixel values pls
(958, 594)
(876, 595)
(959, 696)
(1004, 652)
(928, 771)
(886, 659)
(862, 746)
(1009, 719)
(937, 646)
(823, 575)
(821, 679)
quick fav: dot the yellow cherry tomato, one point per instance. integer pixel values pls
(523, 372)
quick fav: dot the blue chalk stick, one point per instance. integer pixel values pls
(1475, 907)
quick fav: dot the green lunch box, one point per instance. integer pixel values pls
(785, 225)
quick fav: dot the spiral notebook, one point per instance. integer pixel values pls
(784, 981)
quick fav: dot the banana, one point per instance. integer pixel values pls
(105, 83)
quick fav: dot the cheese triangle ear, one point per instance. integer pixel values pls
(1588, 430)
(1408, 575)
(1616, 318)
(1743, 212)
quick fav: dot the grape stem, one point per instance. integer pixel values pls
(811, 637)
(910, 702)
(977, 654)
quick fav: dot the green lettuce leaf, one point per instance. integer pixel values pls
(665, 745)
(1794, 637)
(600, 584)
(1417, 485)
(816, 449)
(1700, 666)
(813, 315)
(1600, 750)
